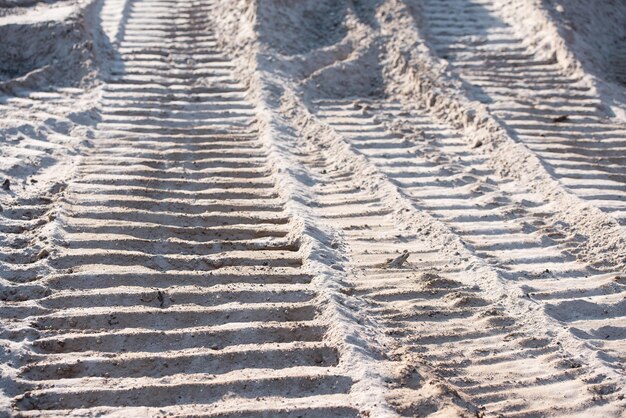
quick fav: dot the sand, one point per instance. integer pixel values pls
(312, 208)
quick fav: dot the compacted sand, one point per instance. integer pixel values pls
(312, 208)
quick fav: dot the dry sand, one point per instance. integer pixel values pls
(312, 208)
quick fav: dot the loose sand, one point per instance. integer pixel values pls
(312, 208)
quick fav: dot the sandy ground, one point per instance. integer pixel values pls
(312, 208)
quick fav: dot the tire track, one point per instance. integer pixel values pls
(554, 113)
(176, 281)
(501, 362)
(226, 250)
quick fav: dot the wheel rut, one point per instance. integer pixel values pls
(263, 229)
(554, 113)
(174, 281)
(491, 354)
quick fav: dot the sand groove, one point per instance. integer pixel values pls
(554, 113)
(492, 357)
(273, 208)
(176, 278)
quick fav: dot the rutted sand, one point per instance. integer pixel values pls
(202, 218)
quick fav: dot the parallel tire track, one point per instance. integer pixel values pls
(432, 307)
(176, 281)
(194, 267)
(554, 113)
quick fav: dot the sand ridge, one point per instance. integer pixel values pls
(316, 208)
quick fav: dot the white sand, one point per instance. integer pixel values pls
(210, 204)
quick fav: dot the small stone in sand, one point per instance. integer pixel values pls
(398, 261)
